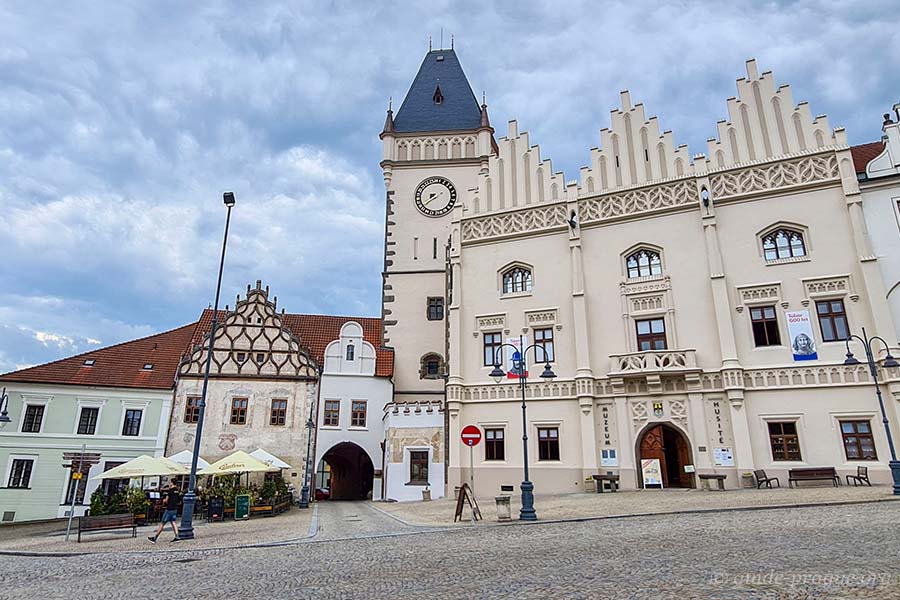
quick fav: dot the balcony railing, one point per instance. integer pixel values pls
(653, 361)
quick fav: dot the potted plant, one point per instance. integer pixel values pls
(137, 503)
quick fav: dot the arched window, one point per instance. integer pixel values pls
(643, 263)
(517, 279)
(783, 243)
(431, 366)
(350, 351)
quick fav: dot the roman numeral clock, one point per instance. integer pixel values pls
(435, 197)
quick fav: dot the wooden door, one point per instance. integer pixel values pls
(652, 446)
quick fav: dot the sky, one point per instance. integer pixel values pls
(121, 124)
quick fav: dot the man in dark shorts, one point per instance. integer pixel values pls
(171, 499)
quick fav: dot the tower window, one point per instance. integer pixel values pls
(783, 243)
(350, 351)
(435, 308)
(517, 280)
(643, 263)
(438, 96)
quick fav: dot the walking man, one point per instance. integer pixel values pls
(171, 498)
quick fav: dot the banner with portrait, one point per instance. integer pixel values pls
(800, 333)
(514, 357)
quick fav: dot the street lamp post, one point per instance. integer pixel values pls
(889, 362)
(520, 365)
(311, 426)
(186, 531)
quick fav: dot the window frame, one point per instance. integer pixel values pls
(547, 443)
(415, 458)
(10, 471)
(330, 413)
(278, 414)
(766, 323)
(545, 356)
(194, 415)
(870, 435)
(784, 443)
(650, 266)
(830, 316)
(40, 423)
(350, 353)
(434, 308)
(492, 443)
(81, 409)
(239, 415)
(652, 336)
(494, 345)
(128, 425)
(518, 286)
(355, 422)
(789, 232)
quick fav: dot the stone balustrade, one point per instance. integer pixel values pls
(653, 361)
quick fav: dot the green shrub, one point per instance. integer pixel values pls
(98, 503)
(136, 501)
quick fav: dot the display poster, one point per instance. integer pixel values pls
(652, 472)
(512, 351)
(800, 332)
(723, 457)
(608, 458)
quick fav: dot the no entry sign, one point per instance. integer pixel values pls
(471, 435)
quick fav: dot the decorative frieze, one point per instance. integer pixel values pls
(828, 287)
(764, 293)
(541, 318)
(775, 176)
(511, 223)
(639, 201)
(645, 285)
(494, 322)
(644, 303)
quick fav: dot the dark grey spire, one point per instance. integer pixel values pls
(440, 98)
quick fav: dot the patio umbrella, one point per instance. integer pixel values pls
(269, 459)
(238, 462)
(185, 457)
(144, 466)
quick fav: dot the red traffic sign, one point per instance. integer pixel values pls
(471, 435)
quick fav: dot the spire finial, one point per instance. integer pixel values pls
(390, 103)
(451, 41)
(442, 38)
(483, 98)
(429, 43)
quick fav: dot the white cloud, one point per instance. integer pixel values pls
(124, 125)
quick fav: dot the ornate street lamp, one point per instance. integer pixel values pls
(186, 531)
(889, 363)
(311, 425)
(4, 407)
(520, 367)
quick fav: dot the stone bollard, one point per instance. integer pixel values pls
(503, 512)
(747, 481)
(426, 495)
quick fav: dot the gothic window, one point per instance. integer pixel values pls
(431, 366)
(517, 280)
(783, 243)
(643, 263)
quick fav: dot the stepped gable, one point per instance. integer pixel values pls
(864, 154)
(121, 365)
(439, 99)
(315, 332)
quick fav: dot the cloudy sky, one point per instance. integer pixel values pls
(122, 122)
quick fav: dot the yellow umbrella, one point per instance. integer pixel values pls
(239, 462)
(144, 466)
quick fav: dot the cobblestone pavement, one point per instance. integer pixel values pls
(818, 552)
(581, 505)
(340, 520)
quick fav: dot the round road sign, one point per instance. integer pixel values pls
(471, 435)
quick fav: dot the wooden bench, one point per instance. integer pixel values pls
(813, 474)
(705, 478)
(762, 478)
(611, 478)
(105, 522)
(861, 477)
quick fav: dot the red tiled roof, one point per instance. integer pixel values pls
(121, 365)
(864, 153)
(315, 332)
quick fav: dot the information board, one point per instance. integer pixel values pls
(241, 507)
(652, 473)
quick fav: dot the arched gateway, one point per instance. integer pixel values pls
(352, 472)
(670, 445)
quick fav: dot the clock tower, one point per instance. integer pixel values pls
(434, 149)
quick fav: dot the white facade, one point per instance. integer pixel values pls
(349, 384)
(881, 200)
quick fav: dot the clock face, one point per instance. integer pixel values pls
(435, 197)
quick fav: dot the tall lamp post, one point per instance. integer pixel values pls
(311, 426)
(890, 363)
(520, 367)
(186, 531)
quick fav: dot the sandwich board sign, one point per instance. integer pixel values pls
(650, 469)
(241, 507)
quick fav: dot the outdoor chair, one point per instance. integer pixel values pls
(861, 477)
(761, 479)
